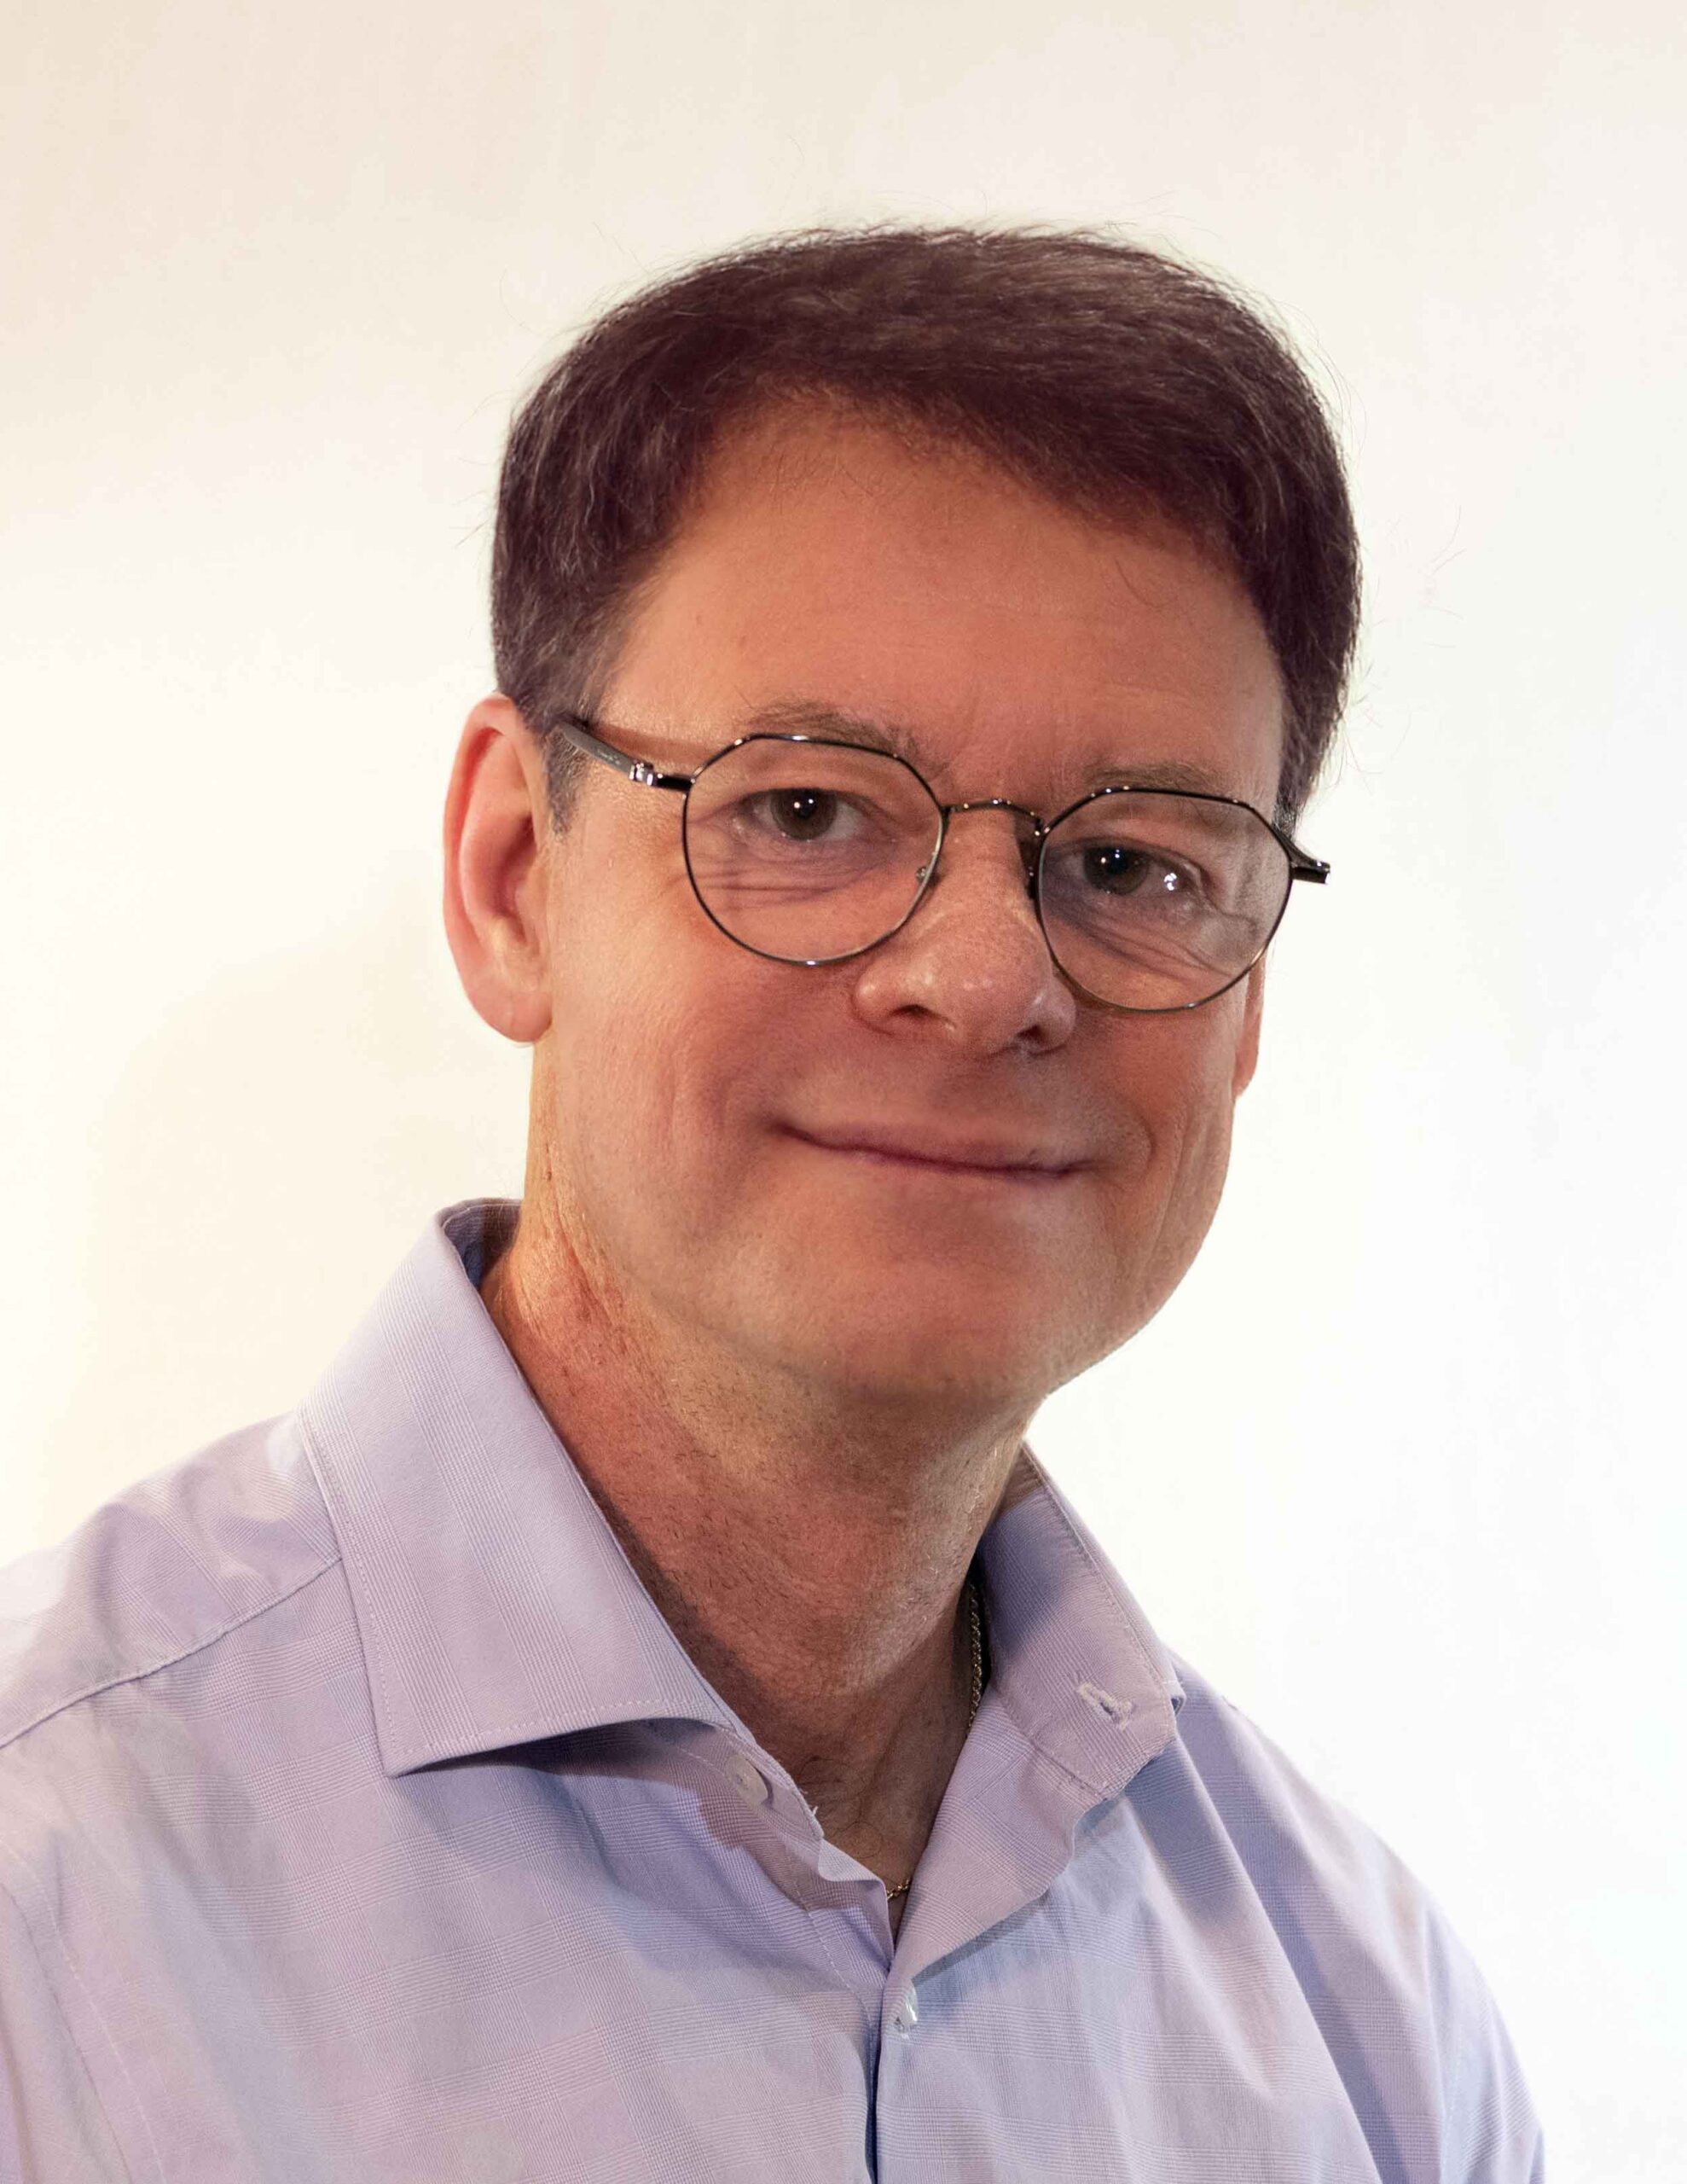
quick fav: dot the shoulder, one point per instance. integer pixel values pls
(168, 1568)
(1292, 1836)
(1371, 1949)
(140, 1660)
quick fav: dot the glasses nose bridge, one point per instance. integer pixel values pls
(1029, 850)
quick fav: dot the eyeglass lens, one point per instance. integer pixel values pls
(810, 852)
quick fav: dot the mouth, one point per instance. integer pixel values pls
(960, 1161)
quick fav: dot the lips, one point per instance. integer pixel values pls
(965, 1153)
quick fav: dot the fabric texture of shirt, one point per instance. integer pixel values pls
(362, 1822)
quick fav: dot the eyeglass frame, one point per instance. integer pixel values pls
(581, 734)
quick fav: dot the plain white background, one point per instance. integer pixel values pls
(1400, 1467)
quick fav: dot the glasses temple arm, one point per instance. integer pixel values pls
(636, 770)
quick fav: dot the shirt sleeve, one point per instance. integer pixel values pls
(1492, 2134)
(52, 2129)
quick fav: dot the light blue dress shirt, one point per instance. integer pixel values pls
(361, 1819)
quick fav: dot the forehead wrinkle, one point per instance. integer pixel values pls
(1072, 778)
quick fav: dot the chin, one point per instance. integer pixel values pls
(905, 1344)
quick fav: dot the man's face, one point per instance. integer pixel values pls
(696, 1102)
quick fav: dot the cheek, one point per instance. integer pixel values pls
(618, 932)
(621, 1088)
(663, 1055)
(1175, 1076)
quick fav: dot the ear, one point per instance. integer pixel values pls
(496, 828)
(1247, 1043)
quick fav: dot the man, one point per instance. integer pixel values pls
(647, 1714)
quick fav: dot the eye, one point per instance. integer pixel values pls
(800, 814)
(803, 817)
(1115, 868)
(1126, 875)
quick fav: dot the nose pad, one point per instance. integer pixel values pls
(1026, 831)
(926, 880)
(930, 875)
(978, 968)
(1031, 848)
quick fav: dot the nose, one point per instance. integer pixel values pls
(972, 966)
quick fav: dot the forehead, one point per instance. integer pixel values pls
(833, 575)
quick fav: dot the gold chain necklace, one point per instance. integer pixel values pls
(891, 1893)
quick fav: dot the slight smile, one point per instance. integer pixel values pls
(886, 1152)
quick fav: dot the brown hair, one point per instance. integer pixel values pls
(1111, 376)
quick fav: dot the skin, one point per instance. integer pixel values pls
(795, 1377)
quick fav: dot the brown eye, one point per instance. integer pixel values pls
(1118, 870)
(803, 814)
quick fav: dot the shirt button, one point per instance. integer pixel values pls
(905, 2016)
(750, 1783)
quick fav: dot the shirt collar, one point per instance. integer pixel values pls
(496, 1606)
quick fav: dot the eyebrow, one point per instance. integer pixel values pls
(804, 716)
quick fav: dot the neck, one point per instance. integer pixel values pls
(812, 1566)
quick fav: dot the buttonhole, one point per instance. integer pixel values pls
(1111, 1708)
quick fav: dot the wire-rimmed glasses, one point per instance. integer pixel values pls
(810, 849)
